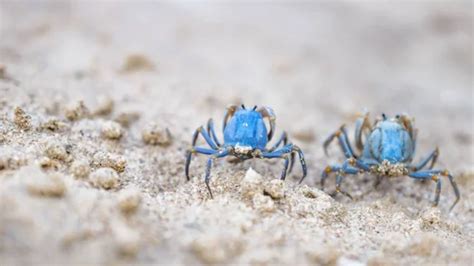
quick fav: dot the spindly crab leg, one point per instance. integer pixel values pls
(284, 141)
(189, 155)
(341, 135)
(195, 149)
(210, 161)
(284, 151)
(361, 124)
(229, 113)
(212, 132)
(407, 122)
(206, 137)
(433, 157)
(267, 112)
(434, 175)
(341, 171)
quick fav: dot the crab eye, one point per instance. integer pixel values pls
(254, 108)
(384, 117)
(243, 106)
(397, 116)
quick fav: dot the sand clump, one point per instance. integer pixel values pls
(216, 249)
(11, 160)
(48, 163)
(105, 159)
(80, 169)
(129, 200)
(76, 111)
(137, 62)
(112, 130)
(263, 203)
(57, 151)
(127, 240)
(41, 184)
(53, 125)
(106, 178)
(155, 135)
(105, 106)
(127, 118)
(22, 119)
(252, 184)
(275, 189)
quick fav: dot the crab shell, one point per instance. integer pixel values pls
(391, 140)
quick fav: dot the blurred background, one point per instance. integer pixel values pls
(317, 63)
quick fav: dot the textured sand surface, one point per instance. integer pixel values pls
(98, 103)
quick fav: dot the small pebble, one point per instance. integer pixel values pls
(112, 130)
(251, 185)
(105, 178)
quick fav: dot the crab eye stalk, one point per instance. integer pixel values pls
(384, 117)
(243, 106)
(254, 108)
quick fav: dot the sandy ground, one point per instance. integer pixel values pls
(78, 188)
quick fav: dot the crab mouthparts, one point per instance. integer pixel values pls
(391, 170)
(243, 149)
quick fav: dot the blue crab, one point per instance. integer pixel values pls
(387, 151)
(245, 136)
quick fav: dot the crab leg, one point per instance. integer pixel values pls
(339, 179)
(333, 169)
(285, 168)
(433, 157)
(283, 139)
(267, 112)
(341, 135)
(210, 161)
(434, 175)
(206, 137)
(229, 113)
(289, 148)
(212, 132)
(361, 124)
(189, 155)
